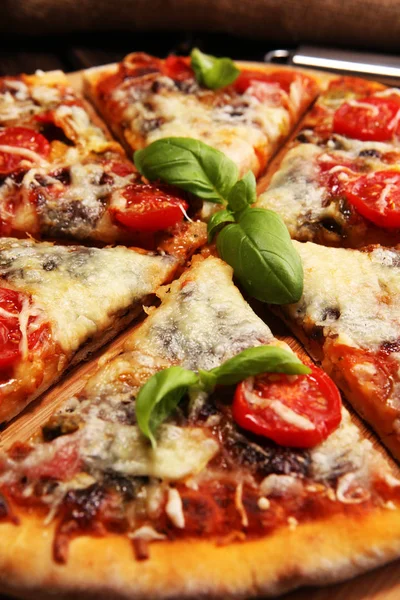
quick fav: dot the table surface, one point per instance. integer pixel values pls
(72, 53)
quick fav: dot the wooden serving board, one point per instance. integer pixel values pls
(379, 584)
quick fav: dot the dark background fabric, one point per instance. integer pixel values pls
(364, 24)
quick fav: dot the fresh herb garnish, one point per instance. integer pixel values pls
(254, 241)
(161, 394)
(212, 72)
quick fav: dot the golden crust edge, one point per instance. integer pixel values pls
(316, 553)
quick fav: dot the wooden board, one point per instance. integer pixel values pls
(379, 584)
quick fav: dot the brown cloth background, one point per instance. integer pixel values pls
(368, 24)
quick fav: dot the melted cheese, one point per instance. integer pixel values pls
(203, 320)
(235, 128)
(80, 122)
(180, 452)
(294, 191)
(364, 287)
(80, 289)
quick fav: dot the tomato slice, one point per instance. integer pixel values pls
(149, 208)
(11, 304)
(335, 172)
(296, 411)
(283, 79)
(177, 67)
(21, 137)
(377, 197)
(10, 335)
(369, 119)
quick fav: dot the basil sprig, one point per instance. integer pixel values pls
(189, 164)
(212, 72)
(254, 241)
(159, 397)
(161, 394)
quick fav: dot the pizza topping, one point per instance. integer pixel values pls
(19, 328)
(370, 118)
(214, 73)
(257, 244)
(359, 279)
(377, 197)
(19, 145)
(147, 208)
(350, 491)
(300, 412)
(173, 508)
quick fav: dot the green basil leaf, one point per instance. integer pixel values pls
(212, 72)
(262, 255)
(189, 164)
(159, 397)
(217, 220)
(243, 193)
(252, 362)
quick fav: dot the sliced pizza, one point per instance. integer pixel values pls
(144, 98)
(349, 317)
(338, 182)
(61, 174)
(215, 507)
(58, 303)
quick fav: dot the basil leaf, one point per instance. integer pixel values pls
(252, 362)
(217, 220)
(264, 260)
(243, 193)
(212, 72)
(189, 164)
(159, 397)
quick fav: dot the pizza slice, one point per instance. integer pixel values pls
(349, 317)
(144, 98)
(338, 183)
(215, 507)
(62, 175)
(58, 303)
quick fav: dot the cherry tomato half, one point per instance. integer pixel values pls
(283, 79)
(10, 335)
(377, 197)
(20, 137)
(369, 119)
(177, 67)
(296, 411)
(149, 208)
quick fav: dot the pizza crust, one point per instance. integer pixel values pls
(322, 552)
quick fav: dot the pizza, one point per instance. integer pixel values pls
(216, 508)
(349, 317)
(338, 181)
(62, 175)
(56, 306)
(144, 98)
(182, 468)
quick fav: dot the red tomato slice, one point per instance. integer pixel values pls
(11, 304)
(369, 119)
(299, 412)
(120, 168)
(283, 79)
(10, 335)
(335, 172)
(377, 197)
(149, 208)
(20, 137)
(177, 67)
